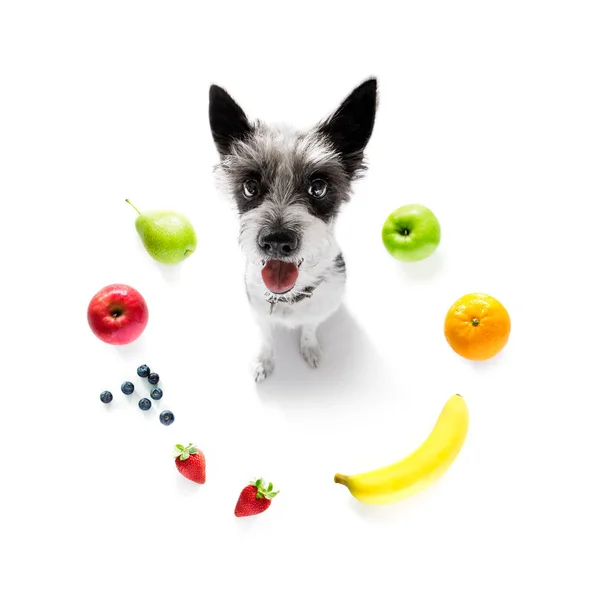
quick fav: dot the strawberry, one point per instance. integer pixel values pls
(190, 462)
(255, 498)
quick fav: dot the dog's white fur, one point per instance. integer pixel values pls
(318, 252)
(306, 314)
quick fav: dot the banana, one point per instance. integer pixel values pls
(415, 472)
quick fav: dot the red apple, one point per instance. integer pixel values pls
(118, 314)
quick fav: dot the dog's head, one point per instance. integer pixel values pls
(289, 185)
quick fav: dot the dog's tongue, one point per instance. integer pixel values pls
(280, 276)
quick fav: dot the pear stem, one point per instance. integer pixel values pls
(128, 202)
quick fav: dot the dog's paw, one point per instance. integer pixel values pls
(263, 368)
(312, 354)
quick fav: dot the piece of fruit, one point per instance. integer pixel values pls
(477, 326)
(106, 397)
(144, 404)
(190, 462)
(254, 499)
(156, 394)
(127, 388)
(411, 233)
(422, 467)
(166, 417)
(153, 378)
(167, 236)
(143, 370)
(117, 314)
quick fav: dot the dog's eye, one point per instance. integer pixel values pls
(250, 188)
(317, 188)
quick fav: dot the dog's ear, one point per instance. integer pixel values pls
(228, 122)
(350, 127)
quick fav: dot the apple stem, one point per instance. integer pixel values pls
(128, 202)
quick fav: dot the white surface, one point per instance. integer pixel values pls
(489, 115)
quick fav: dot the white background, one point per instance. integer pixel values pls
(489, 115)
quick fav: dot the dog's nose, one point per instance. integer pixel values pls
(278, 243)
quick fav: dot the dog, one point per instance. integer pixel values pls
(289, 187)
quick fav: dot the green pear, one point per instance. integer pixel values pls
(167, 236)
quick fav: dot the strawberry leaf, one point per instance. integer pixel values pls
(263, 490)
(184, 452)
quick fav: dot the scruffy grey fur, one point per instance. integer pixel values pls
(289, 187)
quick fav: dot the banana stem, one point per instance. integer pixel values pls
(343, 479)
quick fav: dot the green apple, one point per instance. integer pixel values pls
(412, 232)
(168, 236)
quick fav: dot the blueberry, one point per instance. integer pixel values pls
(156, 394)
(106, 397)
(153, 378)
(127, 388)
(144, 404)
(143, 371)
(166, 417)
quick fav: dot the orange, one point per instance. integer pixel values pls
(477, 326)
